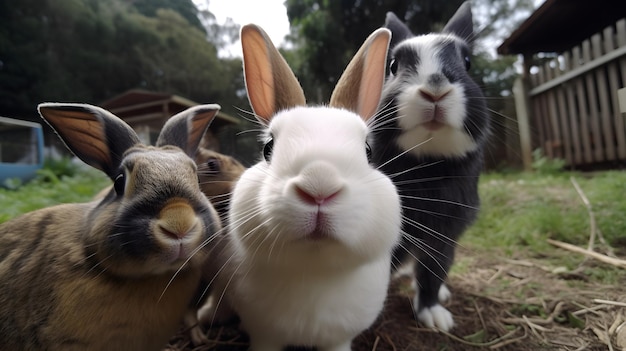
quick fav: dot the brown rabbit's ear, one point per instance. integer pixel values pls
(187, 128)
(93, 134)
(360, 86)
(270, 83)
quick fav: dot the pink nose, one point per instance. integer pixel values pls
(315, 199)
(432, 97)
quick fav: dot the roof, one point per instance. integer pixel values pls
(558, 25)
(138, 102)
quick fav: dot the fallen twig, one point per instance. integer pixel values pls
(598, 256)
(592, 217)
(609, 302)
(594, 231)
(376, 343)
(506, 336)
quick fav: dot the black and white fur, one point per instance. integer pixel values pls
(430, 141)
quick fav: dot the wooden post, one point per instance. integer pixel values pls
(522, 108)
(621, 97)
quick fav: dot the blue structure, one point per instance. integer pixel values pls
(21, 149)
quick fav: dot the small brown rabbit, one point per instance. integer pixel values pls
(217, 175)
(117, 273)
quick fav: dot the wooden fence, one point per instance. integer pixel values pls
(571, 102)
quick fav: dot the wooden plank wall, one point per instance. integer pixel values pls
(574, 105)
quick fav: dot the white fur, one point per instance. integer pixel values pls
(435, 316)
(289, 288)
(414, 110)
(444, 293)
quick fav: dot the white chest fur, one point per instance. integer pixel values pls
(310, 307)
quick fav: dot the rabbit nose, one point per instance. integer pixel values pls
(315, 199)
(433, 96)
(318, 183)
(177, 219)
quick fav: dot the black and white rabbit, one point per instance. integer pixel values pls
(429, 140)
(313, 225)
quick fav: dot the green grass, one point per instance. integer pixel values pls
(520, 211)
(51, 188)
(524, 209)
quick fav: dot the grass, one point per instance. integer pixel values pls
(520, 211)
(526, 208)
(51, 187)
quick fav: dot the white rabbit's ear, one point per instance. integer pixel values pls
(270, 83)
(93, 134)
(360, 86)
(187, 128)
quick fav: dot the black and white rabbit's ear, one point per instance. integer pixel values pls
(399, 30)
(360, 86)
(270, 83)
(187, 128)
(93, 134)
(461, 23)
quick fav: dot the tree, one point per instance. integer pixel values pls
(326, 34)
(91, 50)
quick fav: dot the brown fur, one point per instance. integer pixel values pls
(54, 298)
(218, 184)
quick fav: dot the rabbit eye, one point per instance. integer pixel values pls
(368, 151)
(268, 148)
(119, 184)
(468, 63)
(393, 66)
(213, 166)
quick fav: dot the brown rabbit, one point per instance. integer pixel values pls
(117, 273)
(217, 175)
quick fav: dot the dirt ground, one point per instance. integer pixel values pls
(498, 303)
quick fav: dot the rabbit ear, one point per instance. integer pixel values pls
(270, 83)
(399, 30)
(360, 86)
(94, 135)
(461, 23)
(187, 128)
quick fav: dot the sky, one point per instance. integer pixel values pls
(271, 15)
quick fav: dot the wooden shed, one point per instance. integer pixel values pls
(574, 64)
(147, 111)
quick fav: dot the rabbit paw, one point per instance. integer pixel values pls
(436, 316)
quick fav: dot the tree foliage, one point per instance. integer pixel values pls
(326, 34)
(91, 50)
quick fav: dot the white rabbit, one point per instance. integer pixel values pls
(313, 225)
